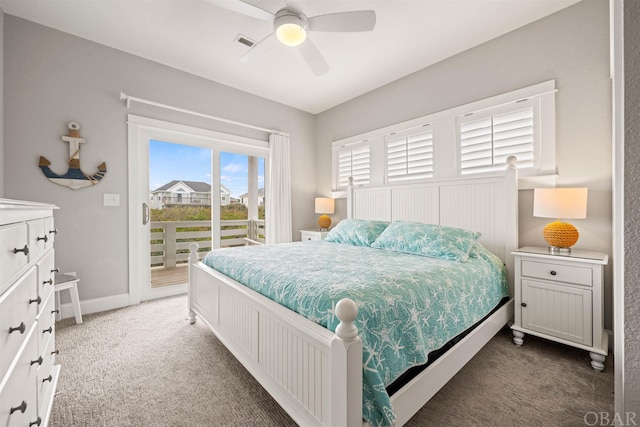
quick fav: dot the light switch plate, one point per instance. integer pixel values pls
(110, 199)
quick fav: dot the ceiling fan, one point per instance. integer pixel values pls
(291, 25)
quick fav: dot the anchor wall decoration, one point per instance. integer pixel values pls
(74, 178)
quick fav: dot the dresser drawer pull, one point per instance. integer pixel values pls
(38, 300)
(56, 270)
(56, 351)
(45, 238)
(49, 329)
(54, 231)
(20, 328)
(523, 304)
(553, 272)
(22, 407)
(49, 378)
(50, 281)
(38, 361)
(36, 422)
(24, 250)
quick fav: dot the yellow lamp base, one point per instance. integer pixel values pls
(324, 222)
(560, 235)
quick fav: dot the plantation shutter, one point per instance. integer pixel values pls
(356, 163)
(410, 156)
(486, 143)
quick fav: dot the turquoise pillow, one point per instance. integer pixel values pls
(357, 232)
(435, 241)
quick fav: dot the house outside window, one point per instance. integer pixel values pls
(183, 193)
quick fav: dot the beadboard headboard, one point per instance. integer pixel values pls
(488, 205)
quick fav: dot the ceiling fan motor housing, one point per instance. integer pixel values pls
(290, 27)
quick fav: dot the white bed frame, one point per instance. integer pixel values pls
(316, 375)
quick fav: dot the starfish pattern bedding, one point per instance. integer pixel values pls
(408, 305)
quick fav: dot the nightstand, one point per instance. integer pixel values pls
(561, 298)
(315, 234)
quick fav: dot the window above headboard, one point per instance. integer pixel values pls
(470, 140)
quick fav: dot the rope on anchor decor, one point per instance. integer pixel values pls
(74, 178)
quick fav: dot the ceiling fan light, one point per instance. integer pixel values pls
(291, 34)
(290, 27)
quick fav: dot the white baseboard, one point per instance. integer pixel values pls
(95, 305)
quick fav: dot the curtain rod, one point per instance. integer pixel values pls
(129, 99)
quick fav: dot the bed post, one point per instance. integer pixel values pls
(350, 198)
(511, 238)
(193, 258)
(346, 369)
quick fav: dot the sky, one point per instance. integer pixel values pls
(168, 162)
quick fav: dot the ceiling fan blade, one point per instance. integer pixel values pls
(362, 20)
(248, 57)
(313, 57)
(244, 8)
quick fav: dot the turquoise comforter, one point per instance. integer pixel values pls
(408, 305)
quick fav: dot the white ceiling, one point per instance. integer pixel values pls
(198, 37)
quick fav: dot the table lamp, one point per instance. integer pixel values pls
(567, 203)
(324, 206)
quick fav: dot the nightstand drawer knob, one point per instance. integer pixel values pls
(553, 273)
(524, 304)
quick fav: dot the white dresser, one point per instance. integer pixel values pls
(28, 373)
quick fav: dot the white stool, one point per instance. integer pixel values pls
(69, 281)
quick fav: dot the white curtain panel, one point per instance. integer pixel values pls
(278, 200)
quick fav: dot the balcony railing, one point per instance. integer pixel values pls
(170, 240)
(182, 201)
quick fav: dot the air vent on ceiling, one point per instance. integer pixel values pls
(245, 41)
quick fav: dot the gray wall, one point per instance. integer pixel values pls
(571, 46)
(1, 104)
(51, 78)
(632, 206)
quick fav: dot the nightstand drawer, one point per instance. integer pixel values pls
(558, 272)
(306, 235)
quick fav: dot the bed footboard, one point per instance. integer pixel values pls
(314, 374)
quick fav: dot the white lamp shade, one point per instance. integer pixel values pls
(566, 203)
(325, 205)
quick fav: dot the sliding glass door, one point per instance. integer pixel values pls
(188, 186)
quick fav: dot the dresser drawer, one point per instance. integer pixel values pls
(557, 272)
(45, 276)
(50, 231)
(45, 376)
(18, 311)
(38, 238)
(12, 237)
(19, 392)
(46, 323)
